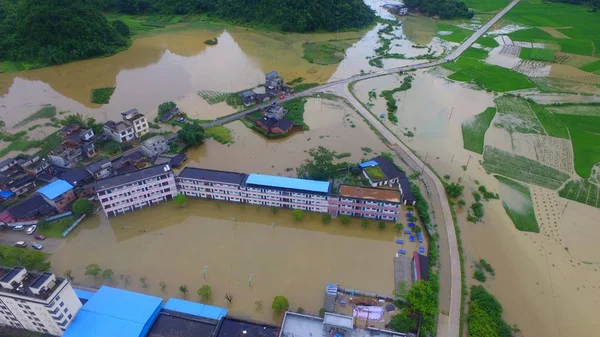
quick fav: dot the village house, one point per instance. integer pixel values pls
(398, 9)
(274, 120)
(366, 202)
(100, 169)
(119, 131)
(7, 163)
(274, 83)
(33, 165)
(14, 179)
(155, 146)
(77, 145)
(248, 97)
(137, 120)
(76, 176)
(169, 114)
(31, 208)
(381, 171)
(59, 194)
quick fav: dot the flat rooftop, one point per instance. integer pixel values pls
(130, 177)
(287, 183)
(299, 325)
(177, 325)
(30, 280)
(55, 189)
(233, 327)
(212, 175)
(196, 309)
(369, 193)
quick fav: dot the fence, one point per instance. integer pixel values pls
(73, 225)
(59, 216)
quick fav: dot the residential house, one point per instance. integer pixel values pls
(40, 302)
(34, 165)
(248, 97)
(420, 264)
(407, 197)
(169, 114)
(7, 163)
(16, 181)
(77, 145)
(381, 171)
(58, 194)
(130, 191)
(137, 120)
(76, 176)
(31, 208)
(128, 162)
(275, 111)
(100, 169)
(273, 82)
(120, 131)
(155, 146)
(274, 126)
(366, 202)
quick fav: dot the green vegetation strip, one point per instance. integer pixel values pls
(485, 315)
(102, 95)
(519, 209)
(219, 133)
(487, 41)
(45, 112)
(537, 54)
(475, 53)
(552, 124)
(474, 129)
(375, 173)
(582, 191)
(325, 53)
(585, 136)
(522, 168)
(392, 108)
(30, 259)
(55, 229)
(486, 76)
(591, 67)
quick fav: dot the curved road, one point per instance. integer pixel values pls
(448, 325)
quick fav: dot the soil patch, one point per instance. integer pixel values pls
(568, 72)
(554, 32)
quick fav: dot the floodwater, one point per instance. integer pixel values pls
(547, 282)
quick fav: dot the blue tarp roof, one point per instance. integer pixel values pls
(291, 183)
(55, 189)
(196, 309)
(368, 163)
(84, 294)
(6, 194)
(115, 313)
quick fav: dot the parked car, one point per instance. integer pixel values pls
(31, 229)
(18, 228)
(37, 246)
(282, 97)
(20, 244)
(40, 237)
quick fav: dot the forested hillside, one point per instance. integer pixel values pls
(445, 9)
(55, 31)
(288, 15)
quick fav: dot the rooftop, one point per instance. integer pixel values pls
(130, 177)
(271, 75)
(97, 166)
(196, 309)
(299, 325)
(288, 183)
(369, 193)
(31, 280)
(76, 175)
(177, 325)
(129, 112)
(55, 189)
(118, 126)
(84, 295)
(6, 161)
(32, 207)
(232, 327)
(390, 170)
(154, 139)
(406, 192)
(115, 313)
(213, 175)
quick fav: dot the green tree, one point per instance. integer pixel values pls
(298, 214)
(274, 210)
(121, 28)
(300, 310)
(454, 190)
(280, 304)
(461, 203)
(422, 298)
(205, 292)
(2, 125)
(83, 206)
(180, 199)
(112, 147)
(165, 107)
(320, 166)
(326, 218)
(479, 275)
(381, 225)
(344, 219)
(417, 229)
(477, 196)
(107, 274)
(399, 227)
(192, 134)
(402, 322)
(183, 288)
(478, 210)
(93, 270)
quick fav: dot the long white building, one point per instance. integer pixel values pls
(38, 302)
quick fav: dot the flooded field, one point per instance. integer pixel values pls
(246, 250)
(547, 282)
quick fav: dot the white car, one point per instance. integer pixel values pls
(31, 229)
(20, 244)
(18, 228)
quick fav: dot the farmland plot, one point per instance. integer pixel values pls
(574, 60)
(554, 152)
(517, 202)
(582, 109)
(581, 191)
(213, 97)
(515, 115)
(533, 68)
(522, 169)
(567, 72)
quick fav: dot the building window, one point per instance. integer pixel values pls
(61, 303)
(27, 307)
(70, 316)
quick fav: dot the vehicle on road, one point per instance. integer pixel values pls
(37, 246)
(40, 237)
(282, 97)
(21, 244)
(31, 230)
(18, 228)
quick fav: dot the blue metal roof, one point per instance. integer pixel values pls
(290, 183)
(368, 163)
(6, 194)
(84, 294)
(55, 189)
(196, 309)
(116, 313)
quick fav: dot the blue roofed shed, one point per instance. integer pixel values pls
(55, 189)
(196, 309)
(116, 313)
(84, 295)
(368, 164)
(288, 183)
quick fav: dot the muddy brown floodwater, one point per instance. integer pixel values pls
(547, 282)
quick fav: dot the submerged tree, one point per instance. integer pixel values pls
(107, 274)
(93, 270)
(83, 206)
(192, 134)
(320, 166)
(298, 214)
(183, 288)
(280, 304)
(205, 292)
(180, 199)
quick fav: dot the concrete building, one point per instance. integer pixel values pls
(138, 121)
(155, 146)
(7, 164)
(366, 202)
(120, 131)
(211, 184)
(38, 302)
(381, 171)
(300, 325)
(59, 194)
(100, 169)
(77, 145)
(273, 82)
(137, 189)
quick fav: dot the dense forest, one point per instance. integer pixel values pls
(287, 15)
(56, 31)
(445, 9)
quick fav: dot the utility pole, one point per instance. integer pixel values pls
(468, 160)
(424, 163)
(451, 112)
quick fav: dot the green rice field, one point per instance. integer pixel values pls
(457, 34)
(473, 130)
(581, 191)
(489, 77)
(516, 115)
(486, 5)
(537, 54)
(552, 124)
(475, 53)
(518, 204)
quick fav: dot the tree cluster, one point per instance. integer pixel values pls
(56, 31)
(288, 15)
(445, 9)
(320, 166)
(485, 315)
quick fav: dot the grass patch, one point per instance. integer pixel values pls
(581, 191)
(552, 124)
(521, 214)
(537, 54)
(486, 5)
(474, 129)
(457, 34)
(305, 86)
(213, 97)
(487, 41)
(31, 259)
(586, 151)
(485, 315)
(342, 155)
(102, 95)
(522, 168)
(295, 81)
(489, 77)
(49, 143)
(55, 229)
(576, 109)
(325, 53)
(14, 66)
(295, 110)
(475, 53)
(45, 112)
(374, 172)
(219, 133)
(591, 67)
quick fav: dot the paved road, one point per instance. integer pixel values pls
(451, 57)
(9, 237)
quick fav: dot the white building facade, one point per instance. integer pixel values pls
(38, 302)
